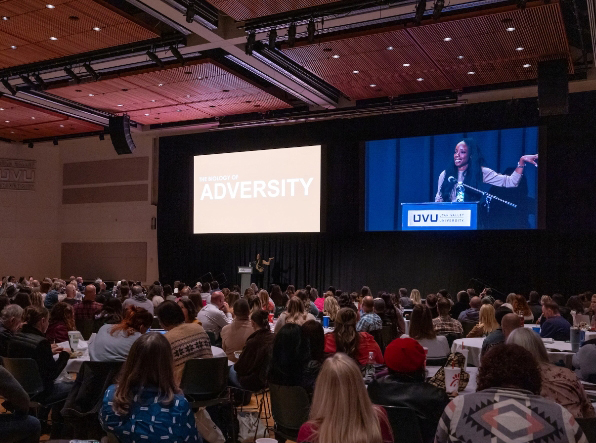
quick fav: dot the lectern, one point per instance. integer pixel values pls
(244, 272)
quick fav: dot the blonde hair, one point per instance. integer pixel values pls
(36, 298)
(330, 307)
(545, 299)
(415, 296)
(264, 298)
(295, 312)
(487, 319)
(340, 389)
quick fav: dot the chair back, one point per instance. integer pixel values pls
(278, 311)
(205, 378)
(588, 425)
(212, 338)
(155, 324)
(438, 361)
(26, 372)
(468, 326)
(85, 327)
(388, 334)
(290, 406)
(451, 338)
(378, 338)
(404, 424)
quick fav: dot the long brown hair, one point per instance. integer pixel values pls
(134, 319)
(520, 304)
(339, 389)
(62, 312)
(347, 338)
(421, 323)
(295, 312)
(150, 364)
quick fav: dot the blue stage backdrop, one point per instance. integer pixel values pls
(407, 170)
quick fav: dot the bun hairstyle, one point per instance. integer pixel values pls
(261, 319)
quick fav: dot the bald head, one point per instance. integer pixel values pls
(71, 291)
(368, 304)
(90, 292)
(475, 303)
(217, 299)
(509, 323)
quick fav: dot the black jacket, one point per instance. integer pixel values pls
(402, 390)
(253, 364)
(5, 336)
(31, 343)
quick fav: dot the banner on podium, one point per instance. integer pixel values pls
(439, 216)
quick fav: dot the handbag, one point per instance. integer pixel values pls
(456, 359)
(207, 428)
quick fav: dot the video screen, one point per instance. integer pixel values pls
(274, 190)
(475, 180)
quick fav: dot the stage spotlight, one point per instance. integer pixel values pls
(8, 86)
(521, 4)
(190, 12)
(420, 8)
(55, 141)
(438, 8)
(27, 81)
(177, 54)
(311, 30)
(250, 43)
(272, 38)
(154, 58)
(72, 75)
(292, 35)
(92, 72)
(30, 145)
(40, 83)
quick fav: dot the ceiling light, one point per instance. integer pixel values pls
(292, 35)
(5, 17)
(50, 6)
(92, 72)
(438, 8)
(373, 86)
(146, 114)
(40, 83)
(154, 58)
(510, 29)
(13, 47)
(405, 65)
(460, 57)
(8, 86)
(152, 101)
(335, 56)
(119, 105)
(471, 73)
(12, 132)
(97, 28)
(519, 49)
(6, 121)
(250, 43)
(1, 109)
(311, 30)
(160, 84)
(419, 79)
(91, 95)
(355, 72)
(390, 48)
(527, 65)
(72, 75)
(61, 126)
(32, 118)
(447, 39)
(178, 110)
(177, 54)
(420, 8)
(272, 38)
(53, 38)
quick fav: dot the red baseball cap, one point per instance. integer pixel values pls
(405, 355)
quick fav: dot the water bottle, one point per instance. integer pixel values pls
(369, 369)
(459, 192)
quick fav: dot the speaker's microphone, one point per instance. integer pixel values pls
(451, 179)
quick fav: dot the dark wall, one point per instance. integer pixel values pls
(558, 258)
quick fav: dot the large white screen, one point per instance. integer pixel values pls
(275, 190)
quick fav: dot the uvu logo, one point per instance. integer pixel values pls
(426, 217)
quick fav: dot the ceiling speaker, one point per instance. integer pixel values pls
(120, 134)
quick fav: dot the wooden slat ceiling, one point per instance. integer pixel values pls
(31, 25)
(19, 121)
(190, 92)
(466, 52)
(248, 9)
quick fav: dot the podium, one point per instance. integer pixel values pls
(439, 216)
(245, 273)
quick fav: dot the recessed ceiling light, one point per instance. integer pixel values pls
(13, 47)
(471, 73)
(460, 57)
(335, 56)
(54, 38)
(1, 109)
(161, 84)
(510, 29)
(50, 6)
(91, 95)
(120, 105)
(6, 121)
(61, 126)
(419, 79)
(373, 85)
(406, 65)
(389, 48)
(12, 132)
(527, 65)
(146, 114)
(519, 49)
(187, 95)
(32, 118)
(5, 17)
(447, 39)
(97, 28)
(355, 72)
(152, 101)
(178, 110)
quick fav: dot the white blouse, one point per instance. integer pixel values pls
(488, 176)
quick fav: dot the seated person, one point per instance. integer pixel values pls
(558, 384)
(87, 309)
(431, 304)
(250, 371)
(138, 299)
(11, 319)
(188, 340)
(18, 426)
(215, 315)
(555, 326)
(346, 339)
(497, 336)
(488, 323)
(369, 321)
(406, 387)
(444, 324)
(146, 403)
(507, 405)
(388, 316)
(462, 303)
(296, 313)
(188, 309)
(421, 330)
(584, 361)
(341, 410)
(234, 335)
(61, 322)
(520, 306)
(471, 315)
(314, 334)
(330, 309)
(113, 342)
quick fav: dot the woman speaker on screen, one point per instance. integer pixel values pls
(467, 167)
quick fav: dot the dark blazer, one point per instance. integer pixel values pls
(253, 364)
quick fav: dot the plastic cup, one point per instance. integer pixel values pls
(536, 329)
(452, 379)
(325, 321)
(73, 340)
(237, 354)
(465, 353)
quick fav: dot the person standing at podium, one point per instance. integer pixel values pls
(259, 265)
(467, 167)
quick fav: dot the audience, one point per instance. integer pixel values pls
(471, 314)
(444, 324)
(431, 304)
(216, 314)
(61, 321)
(508, 322)
(295, 313)
(18, 426)
(11, 320)
(406, 386)
(52, 297)
(346, 339)
(415, 297)
(87, 309)
(320, 300)
(188, 309)
(584, 361)
(421, 330)
(521, 307)
(341, 410)
(278, 298)
(235, 334)
(369, 321)
(559, 384)
(113, 342)
(330, 309)
(71, 294)
(187, 340)
(405, 301)
(313, 333)
(565, 312)
(22, 299)
(535, 305)
(487, 324)
(555, 326)
(111, 313)
(139, 299)
(507, 405)
(133, 409)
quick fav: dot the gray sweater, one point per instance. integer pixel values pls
(12, 391)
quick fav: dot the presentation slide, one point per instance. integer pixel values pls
(274, 190)
(476, 180)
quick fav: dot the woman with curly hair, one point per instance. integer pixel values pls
(521, 307)
(507, 405)
(346, 339)
(61, 321)
(330, 308)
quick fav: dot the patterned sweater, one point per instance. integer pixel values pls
(188, 340)
(507, 416)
